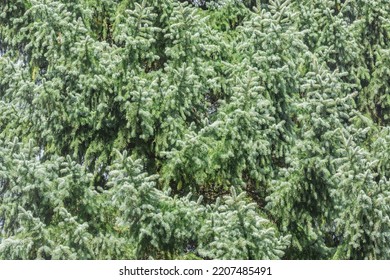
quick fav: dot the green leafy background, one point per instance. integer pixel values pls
(162, 129)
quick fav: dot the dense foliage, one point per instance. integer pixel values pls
(166, 129)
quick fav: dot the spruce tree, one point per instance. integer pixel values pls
(172, 129)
